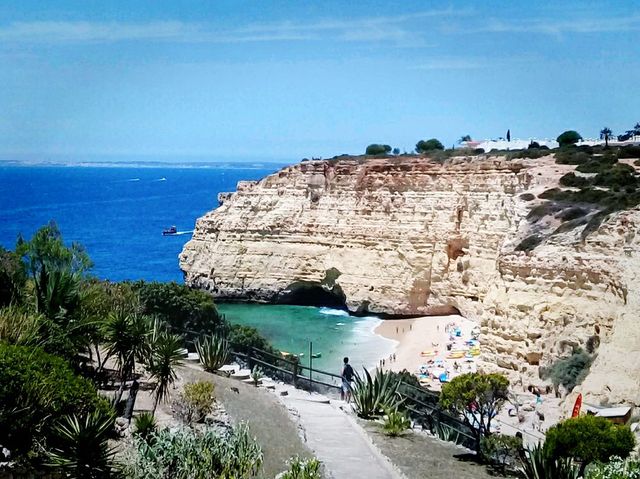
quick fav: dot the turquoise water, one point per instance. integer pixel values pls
(334, 333)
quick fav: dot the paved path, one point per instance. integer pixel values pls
(335, 438)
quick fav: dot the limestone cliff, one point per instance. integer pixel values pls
(409, 237)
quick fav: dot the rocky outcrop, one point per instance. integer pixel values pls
(406, 236)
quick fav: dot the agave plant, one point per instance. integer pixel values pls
(80, 447)
(213, 352)
(536, 464)
(395, 423)
(372, 395)
(446, 433)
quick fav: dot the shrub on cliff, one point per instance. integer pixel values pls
(243, 338)
(376, 149)
(572, 156)
(570, 371)
(587, 439)
(569, 137)
(425, 146)
(571, 179)
(187, 311)
(37, 389)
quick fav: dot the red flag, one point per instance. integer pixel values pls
(577, 406)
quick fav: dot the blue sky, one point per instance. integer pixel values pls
(285, 80)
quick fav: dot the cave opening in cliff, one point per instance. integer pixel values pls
(310, 293)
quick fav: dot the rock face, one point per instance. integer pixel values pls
(412, 237)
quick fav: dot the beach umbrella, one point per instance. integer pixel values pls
(443, 378)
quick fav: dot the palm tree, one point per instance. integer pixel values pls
(605, 134)
(166, 356)
(126, 336)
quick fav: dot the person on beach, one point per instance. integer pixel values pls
(347, 378)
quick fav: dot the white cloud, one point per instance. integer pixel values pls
(573, 25)
(360, 29)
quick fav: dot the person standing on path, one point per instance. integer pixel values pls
(347, 376)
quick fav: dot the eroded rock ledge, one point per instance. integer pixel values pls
(406, 236)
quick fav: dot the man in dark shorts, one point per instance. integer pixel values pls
(347, 377)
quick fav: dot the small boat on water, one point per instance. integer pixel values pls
(316, 355)
(169, 231)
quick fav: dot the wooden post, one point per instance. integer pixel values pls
(249, 359)
(295, 374)
(310, 361)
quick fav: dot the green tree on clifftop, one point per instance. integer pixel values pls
(376, 149)
(569, 137)
(429, 145)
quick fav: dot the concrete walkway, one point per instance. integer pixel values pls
(335, 438)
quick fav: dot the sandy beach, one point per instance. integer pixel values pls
(429, 334)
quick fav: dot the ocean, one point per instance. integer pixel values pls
(118, 214)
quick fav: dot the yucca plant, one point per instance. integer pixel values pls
(144, 426)
(126, 337)
(301, 469)
(372, 395)
(395, 422)
(213, 352)
(536, 464)
(166, 356)
(80, 448)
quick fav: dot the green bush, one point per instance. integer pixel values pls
(571, 156)
(302, 469)
(424, 146)
(616, 468)
(569, 137)
(13, 278)
(529, 243)
(189, 453)
(629, 151)
(144, 426)
(597, 165)
(186, 311)
(373, 395)
(501, 450)
(36, 390)
(570, 371)
(536, 464)
(572, 180)
(395, 422)
(243, 338)
(619, 175)
(587, 439)
(195, 402)
(19, 327)
(376, 149)
(572, 213)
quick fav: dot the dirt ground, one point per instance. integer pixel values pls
(419, 456)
